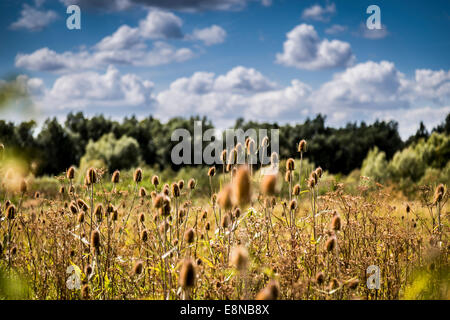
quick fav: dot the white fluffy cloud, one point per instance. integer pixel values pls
(210, 36)
(33, 19)
(319, 13)
(126, 46)
(335, 29)
(304, 50)
(92, 89)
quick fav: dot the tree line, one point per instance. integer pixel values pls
(57, 146)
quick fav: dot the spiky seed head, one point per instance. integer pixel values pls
(270, 292)
(225, 222)
(181, 184)
(115, 177)
(336, 223)
(141, 217)
(211, 171)
(138, 268)
(296, 190)
(265, 142)
(239, 258)
(223, 156)
(95, 239)
(237, 212)
(70, 174)
(408, 208)
(311, 183)
(268, 184)
(37, 195)
(330, 244)
(293, 204)
(239, 148)
(73, 208)
(204, 215)
(320, 278)
(439, 193)
(290, 164)
(302, 146)
(314, 177)
(10, 212)
(288, 176)
(80, 217)
(98, 212)
(142, 192)
(207, 226)
(158, 201)
(175, 190)
(83, 205)
(155, 180)
(62, 190)
(191, 184)
(144, 235)
(115, 215)
(187, 274)
(318, 172)
(71, 190)
(224, 198)
(137, 177)
(189, 235)
(91, 176)
(251, 148)
(242, 188)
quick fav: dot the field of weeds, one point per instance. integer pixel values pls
(286, 234)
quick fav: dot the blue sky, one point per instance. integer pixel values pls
(265, 60)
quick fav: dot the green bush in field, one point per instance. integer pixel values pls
(120, 153)
(375, 165)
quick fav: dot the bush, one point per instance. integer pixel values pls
(119, 154)
(375, 165)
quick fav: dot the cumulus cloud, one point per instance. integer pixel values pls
(319, 13)
(33, 19)
(432, 85)
(161, 25)
(210, 36)
(304, 49)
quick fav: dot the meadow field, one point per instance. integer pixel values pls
(224, 232)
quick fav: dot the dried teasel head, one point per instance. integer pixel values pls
(318, 172)
(137, 176)
(268, 184)
(142, 192)
(314, 177)
(290, 164)
(70, 174)
(191, 184)
(91, 176)
(239, 258)
(293, 204)
(270, 292)
(330, 244)
(144, 235)
(115, 177)
(181, 184)
(288, 176)
(439, 194)
(155, 180)
(95, 240)
(187, 274)
(336, 223)
(211, 171)
(302, 146)
(296, 190)
(138, 268)
(10, 212)
(265, 142)
(175, 190)
(223, 156)
(224, 198)
(274, 159)
(189, 235)
(242, 188)
(226, 221)
(320, 278)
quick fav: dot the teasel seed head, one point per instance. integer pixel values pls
(311, 183)
(237, 213)
(71, 189)
(239, 258)
(274, 159)
(91, 176)
(95, 240)
(141, 217)
(83, 205)
(142, 192)
(207, 226)
(211, 171)
(187, 274)
(73, 208)
(251, 147)
(191, 184)
(288, 176)
(10, 212)
(80, 217)
(62, 190)
(290, 164)
(137, 177)
(189, 235)
(242, 187)
(175, 190)
(270, 292)
(138, 268)
(144, 235)
(319, 172)
(225, 222)
(296, 190)
(408, 208)
(293, 204)
(181, 184)
(320, 278)
(158, 201)
(37, 195)
(268, 184)
(115, 215)
(336, 223)
(70, 174)
(115, 177)
(302, 146)
(155, 180)
(224, 198)
(223, 156)
(98, 212)
(330, 244)
(204, 215)
(23, 186)
(439, 193)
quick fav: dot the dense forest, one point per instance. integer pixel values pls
(57, 146)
